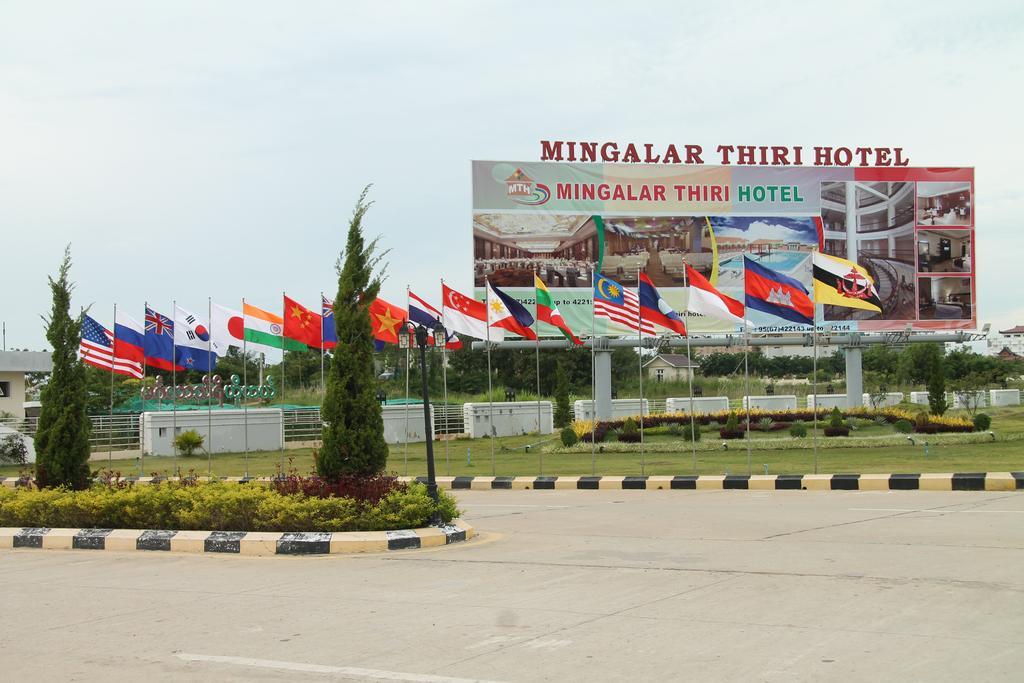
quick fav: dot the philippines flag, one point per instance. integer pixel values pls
(656, 309)
(158, 343)
(129, 338)
(614, 302)
(505, 312)
(776, 294)
(425, 315)
(329, 332)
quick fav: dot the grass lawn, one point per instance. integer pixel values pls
(472, 457)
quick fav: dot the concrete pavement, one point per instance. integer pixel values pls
(562, 585)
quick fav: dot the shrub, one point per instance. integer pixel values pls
(13, 450)
(836, 425)
(569, 437)
(903, 426)
(731, 430)
(798, 430)
(982, 422)
(217, 506)
(922, 419)
(630, 433)
(765, 424)
(188, 442)
(684, 433)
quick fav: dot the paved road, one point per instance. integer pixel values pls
(563, 586)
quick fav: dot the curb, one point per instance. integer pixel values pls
(957, 481)
(258, 543)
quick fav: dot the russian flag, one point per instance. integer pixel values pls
(776, 294)
(656, 310)
(129, 338)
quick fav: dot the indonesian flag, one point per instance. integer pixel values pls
(548, 313)
(467, 316)
(706, 300)
(505, 312)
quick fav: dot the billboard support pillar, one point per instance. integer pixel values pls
(603, 382)
(854, 374)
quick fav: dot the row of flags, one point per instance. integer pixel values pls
(186, 341)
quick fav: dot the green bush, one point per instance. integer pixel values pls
(188, 442)
(903, 426)
(216, 506)
(13, 450)
(569, 437)
(836, 418)
(798, 430)
(982, 422)
(630, 432)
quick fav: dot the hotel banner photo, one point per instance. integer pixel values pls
(910, 229)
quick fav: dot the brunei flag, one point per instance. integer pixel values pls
(838, 282)
(547, 311)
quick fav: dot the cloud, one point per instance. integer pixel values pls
(763, 229)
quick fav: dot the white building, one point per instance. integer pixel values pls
(670, 367)
(1011, 340)
(14, 365)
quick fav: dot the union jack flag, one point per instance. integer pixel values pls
(159, 341)
(328, 333)
(158, 324)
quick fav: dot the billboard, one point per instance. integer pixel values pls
(911, 228)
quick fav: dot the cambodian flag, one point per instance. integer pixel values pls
(776, 294)
(656, 309)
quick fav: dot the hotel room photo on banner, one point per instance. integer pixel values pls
(910, 229)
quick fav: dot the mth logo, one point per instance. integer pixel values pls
(521, 189)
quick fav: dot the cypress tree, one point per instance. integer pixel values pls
(62, 437)
(936, 381)
(353, 432)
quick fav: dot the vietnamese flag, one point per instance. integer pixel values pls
(547, 311)
(386, 320)
(301, 324)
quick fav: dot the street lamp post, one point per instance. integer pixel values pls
(408, 336)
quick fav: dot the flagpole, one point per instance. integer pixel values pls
(405, 439)
(142, 451)
(444, 379)
(174, 388)
(490, 392)
(536, 323)
(209, 388)
(322, 345)
(245, 382)
(814, 382)
(746, 374)
(593, 377)
(283, 377)
(110, 418)
(640, 363)
(689, 374)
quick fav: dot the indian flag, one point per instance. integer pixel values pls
(265, 331)
(548, 313)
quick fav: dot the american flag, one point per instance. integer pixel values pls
(614, 302)
(97, 349)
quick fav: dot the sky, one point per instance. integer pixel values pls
(189, 150)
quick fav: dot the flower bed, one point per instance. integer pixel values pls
(936, 424)
(219, 506)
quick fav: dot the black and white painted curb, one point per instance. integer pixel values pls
(960, 481)
(235, 542)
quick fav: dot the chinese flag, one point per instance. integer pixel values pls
(385, 320)
(302, 324)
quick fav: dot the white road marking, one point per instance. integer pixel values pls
(547, 644)
(376, 674)
(929, 510)
(493, 640)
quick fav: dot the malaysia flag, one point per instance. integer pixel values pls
(656, 309)
(776, 294)
(614, 302)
